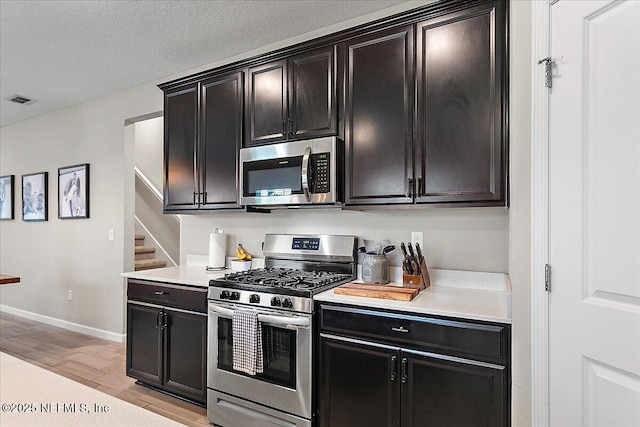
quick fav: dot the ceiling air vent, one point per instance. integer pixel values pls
(21, 100)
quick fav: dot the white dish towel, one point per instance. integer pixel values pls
(247, 342)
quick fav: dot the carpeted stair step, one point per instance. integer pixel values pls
(139, 240)
(147, 264)
(144, 252)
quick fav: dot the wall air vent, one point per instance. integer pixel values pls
(21, 100)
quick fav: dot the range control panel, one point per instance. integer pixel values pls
(306, 243)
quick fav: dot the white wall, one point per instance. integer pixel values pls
(463, 239)
(520, 209)
(57, 255)
(149, 147)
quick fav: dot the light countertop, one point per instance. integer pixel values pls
(461, 294)
(183, 275)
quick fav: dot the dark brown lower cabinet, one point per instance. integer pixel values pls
(390, 382)
(167, 348)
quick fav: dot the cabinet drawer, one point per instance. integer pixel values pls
(168, 294)
(480, 341)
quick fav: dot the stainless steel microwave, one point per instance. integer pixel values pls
(291, 173)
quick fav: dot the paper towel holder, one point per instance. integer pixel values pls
(217, 231)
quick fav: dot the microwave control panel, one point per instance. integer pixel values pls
(321, 173)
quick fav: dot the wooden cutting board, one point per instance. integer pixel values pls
(377, 291)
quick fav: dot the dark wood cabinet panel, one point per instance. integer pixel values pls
(144, 343)
(167, 346)
(292, 98)
(379, 117)
(312, 94)
(388, 380)
(203, 134)
(180, 139)
(359, 385)
(450, 393)
(267, 103)
(457, 337)
(185, 344)
(179, 296)
(461, 144)
(221, 139)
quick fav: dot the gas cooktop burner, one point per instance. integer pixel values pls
(286, 278)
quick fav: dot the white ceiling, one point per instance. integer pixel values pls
(63, 53)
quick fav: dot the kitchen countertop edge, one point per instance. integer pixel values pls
(182, 275)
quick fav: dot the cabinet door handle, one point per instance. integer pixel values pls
(410, 190)
(164, 321)
(290, 127)
(394, 367)
(161, 293)
(158, 319)
(400, 329)
(419, 191)
(194, 198)
(404, 370)
(284, 128)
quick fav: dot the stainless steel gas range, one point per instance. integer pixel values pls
(296, 268)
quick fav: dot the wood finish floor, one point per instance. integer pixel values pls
(94, 362)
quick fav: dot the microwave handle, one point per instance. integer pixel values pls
(305, 173)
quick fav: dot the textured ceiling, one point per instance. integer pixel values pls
(63, 53)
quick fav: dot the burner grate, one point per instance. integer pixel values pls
(285, 278)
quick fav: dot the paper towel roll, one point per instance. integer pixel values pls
(217, 250)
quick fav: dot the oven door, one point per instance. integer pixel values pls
(285, 383)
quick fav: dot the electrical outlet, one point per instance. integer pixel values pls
(70, 295)
(417, 238)
(111, 234)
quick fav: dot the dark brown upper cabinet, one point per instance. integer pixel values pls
(203, 134)
(379, 118)
(180, 142)
(292, 98)
(221, 136)
(461, 80)
(453, 151)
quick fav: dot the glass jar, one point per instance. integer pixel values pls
(375, 269)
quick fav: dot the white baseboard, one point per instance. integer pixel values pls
(88, 330)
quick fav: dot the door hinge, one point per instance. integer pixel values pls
(547, 277)
(547, 70)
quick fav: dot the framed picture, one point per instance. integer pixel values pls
(73, 192)
(6, 197)
(35, 201)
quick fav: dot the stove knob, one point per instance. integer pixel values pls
(224, 295)
(234, 296)
(275, 302)
(287, 303)
(254, 298)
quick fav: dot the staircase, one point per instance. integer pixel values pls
(145, 256)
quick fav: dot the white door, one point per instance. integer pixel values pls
(594, 217)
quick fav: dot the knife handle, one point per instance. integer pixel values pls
(419, 252)
(413, 255)
(403, 249)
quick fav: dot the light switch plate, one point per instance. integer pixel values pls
(111, 234)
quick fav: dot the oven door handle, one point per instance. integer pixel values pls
(264, 318)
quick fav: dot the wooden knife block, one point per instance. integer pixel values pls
(417, 281)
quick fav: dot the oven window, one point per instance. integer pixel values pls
(278, 348)
(273, 177)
